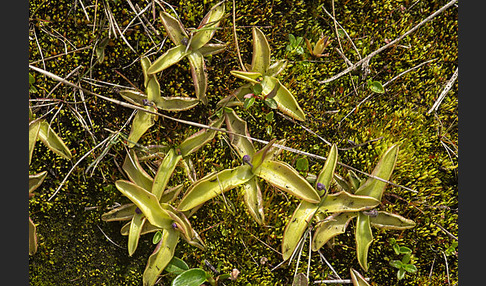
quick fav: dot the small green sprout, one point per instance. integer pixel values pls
(295, 45)
(376, 86)
(405, 264)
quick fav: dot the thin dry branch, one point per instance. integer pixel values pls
(390, 44)
(444, 92)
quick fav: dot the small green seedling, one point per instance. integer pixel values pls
(32, 88)
(405, 264)
(194, 276)
(295, 45)
(376, 86)
(302, 164)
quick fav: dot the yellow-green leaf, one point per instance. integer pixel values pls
(34, 128)
(184, 226)
(320, 46)
(32, 238)
(36, 180)
(260, 60)
(134, 233)
(135, 172)
(364, 237)
(235, 124)
(171, 194)
(145, 62)
(260, 156)
(141, 123)
(153, 89)
(212, 49)
(164, 173)
(124, 212)
(197, 140)
(333, 225)
(213, 185)
(175, 103)
(199, 75)
(387, 220)
(161, 256)
(174, 28)
(300, 220)
(270, 87)
(133, 96)
(327, 172)
(346, 202)
(276, 68)
(286, 178)
(373, 187)
(358, 279)
(250, 76)
(146, 202)
(252, 196)
(208, 26)
(52, 141)
(288, 104)
(170, 57)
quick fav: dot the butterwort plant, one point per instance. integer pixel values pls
(308, 213)
(337, 222)
(193, 45)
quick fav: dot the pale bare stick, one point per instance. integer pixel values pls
(328, 264)
(95, 12)
(74, 166)
(84, 9)
(390, 44)
(447, 268)
(109, 239)
(346, 33)
(444, 92)
(340, 50)
(407, 71)
(195, 124)
(337, 281)
(62, 54)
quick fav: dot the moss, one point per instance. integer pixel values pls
(73, 250)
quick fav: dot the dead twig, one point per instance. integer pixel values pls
(444, 92)
(390, 44)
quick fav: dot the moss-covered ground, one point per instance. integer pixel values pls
(74, 246)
